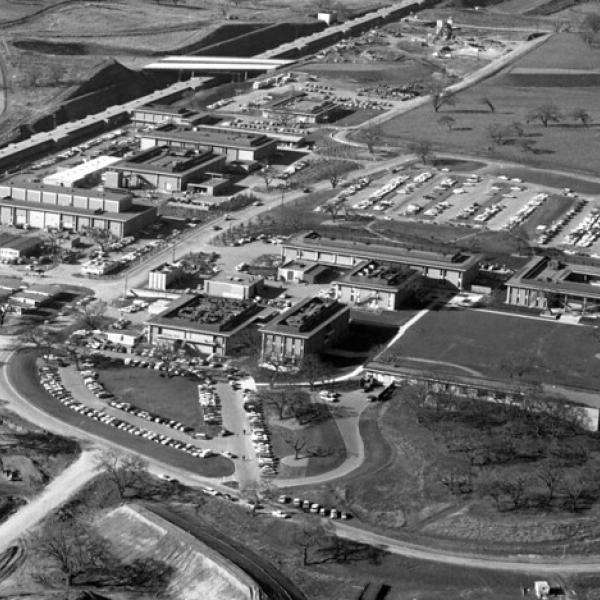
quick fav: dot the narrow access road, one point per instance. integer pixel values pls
(528, 563)
(56, 493)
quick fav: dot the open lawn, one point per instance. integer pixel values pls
(480, 343)
(313, 431)
(566, 144)
(171, 397)
(23, 376)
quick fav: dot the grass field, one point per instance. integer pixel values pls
(481, 343)
(22, 374)
(148, 390)
(566, 144)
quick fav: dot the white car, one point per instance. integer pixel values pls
(281, 514)
(211, 491)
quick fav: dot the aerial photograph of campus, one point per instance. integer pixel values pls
(299, 300)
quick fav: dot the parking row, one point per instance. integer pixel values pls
(259, 434)
(314, 508)
(51, 381)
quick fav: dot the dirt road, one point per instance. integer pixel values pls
(56, 493)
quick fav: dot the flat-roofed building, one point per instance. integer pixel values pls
(302, 108)
(377, 285)
(207, 325)
(306, 328)
(87, 174)
(456, 269)
(35, 296)
(14, 247)
(234, 145)
(240, 286)
(161, 277)
(546, 282)
(163, 168)
(38, 205)
(161, 114)
(301, 270)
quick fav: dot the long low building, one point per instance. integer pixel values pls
(234, 145)
(220, 64)
(457, 269)
(78, 209)
(554, 283)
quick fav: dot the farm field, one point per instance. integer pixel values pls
(566, 144)
(484, 344)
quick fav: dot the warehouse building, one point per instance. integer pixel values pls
(233, 145)
(302, 109)
(206, 325)
(162, 114)
(87, 174)
(162, 168)
(239, 286)
(457, 269)
(552, 283)
(300, 270)
(77, 209)
(377, 285)
(306, 328)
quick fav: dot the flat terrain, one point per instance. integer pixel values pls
(566, 144)
(481, 344)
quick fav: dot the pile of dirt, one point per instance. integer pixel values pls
(199, 572)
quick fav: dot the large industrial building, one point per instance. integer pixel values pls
(37, 205)
(231, 144)
(376, 285)
(163, 169)
(306, 328)
(206, 325)
(457, 269)
(553, 283)
(87, 174)
(161, 114)
(302, 109)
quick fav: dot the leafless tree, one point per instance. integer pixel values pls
(447, 121)
(551, 474)
(69, 548)
(423, 149)
(545, 114)
(93, 313)
(581, 115)
(371, 135)
(123, 470)
(298, 444)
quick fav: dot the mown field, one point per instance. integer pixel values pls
(566, 144)
(491, 345)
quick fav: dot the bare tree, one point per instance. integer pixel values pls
(485, 100)
(581, 115)
(590, 26)
(313, 369)
(423, 149)
(371, 135)
(307, 538)
(439, 96)
(93, 313)
(298, 444)
(123, 470)
(551, 474)
(499, 134)
(575, 486)
(447, 121)
(545, 114)
(69, 548)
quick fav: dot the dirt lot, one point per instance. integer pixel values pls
(566, 144)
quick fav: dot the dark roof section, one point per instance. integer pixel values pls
(306, 317)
